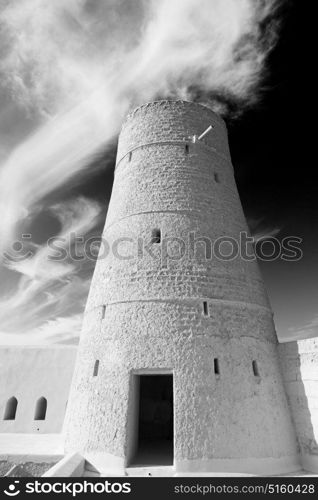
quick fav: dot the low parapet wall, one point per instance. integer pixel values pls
(300, 371)
(35, 383)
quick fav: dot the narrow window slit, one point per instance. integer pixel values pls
(103, 312)
(186, 149)
(96, 368)
(216, 366)
(156, 236)
(205, 308)
(216, 177)
(130, 156)
(255, 369)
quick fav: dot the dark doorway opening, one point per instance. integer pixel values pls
(155, 421)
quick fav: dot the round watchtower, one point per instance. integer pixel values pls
(178, 362)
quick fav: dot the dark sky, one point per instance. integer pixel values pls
(275, 171)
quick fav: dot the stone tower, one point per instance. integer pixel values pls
(178, 360)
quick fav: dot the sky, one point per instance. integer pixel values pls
(69, 73)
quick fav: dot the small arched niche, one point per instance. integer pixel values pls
(40, 409)
(11, 409)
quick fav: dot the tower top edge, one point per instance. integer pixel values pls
(171, 103)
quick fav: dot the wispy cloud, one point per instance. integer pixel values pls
(60, 330)
(49, 289)
(75, 68)
(306, 331)
(81, 66)
(260, 230)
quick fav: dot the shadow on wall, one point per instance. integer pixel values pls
(300, 372)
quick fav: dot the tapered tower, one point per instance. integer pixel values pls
(177, 363)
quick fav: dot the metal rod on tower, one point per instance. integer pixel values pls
(205, 132)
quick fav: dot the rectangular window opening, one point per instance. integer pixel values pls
(216, 177)
(205, 308)
(156, 236)
(255, 369)
(186, 149)
(130, 156)
(216, 366)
